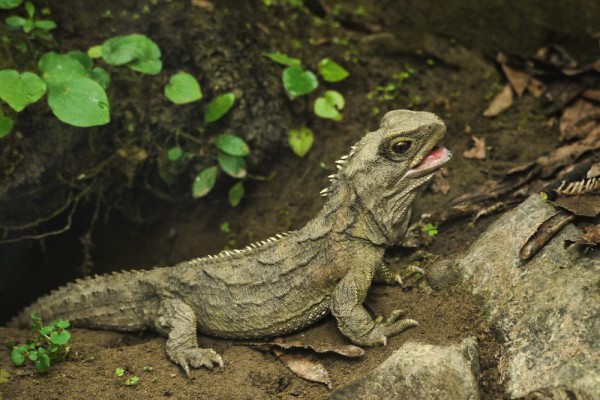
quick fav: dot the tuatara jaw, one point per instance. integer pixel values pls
(430, 163)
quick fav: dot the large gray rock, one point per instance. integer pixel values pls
(420, 371)
(547, 310)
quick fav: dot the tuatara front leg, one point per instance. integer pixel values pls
(383, 274)
(178, 321)
(353, 319)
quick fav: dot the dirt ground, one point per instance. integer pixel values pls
(285, 201)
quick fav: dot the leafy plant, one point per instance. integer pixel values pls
(28, 23)
(183, 88)
(298, 82)
(217, 108)
(301, 140)
(134, 51)
(332, 71)
(430, 229)
(120, 372)
(48, 344)
(9, 4)
(329, 105)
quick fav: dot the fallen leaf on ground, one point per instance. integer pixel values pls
(536, 88)
(567, 154)
(440, 183)
(578, 119)
(204, 4)
(344, 350)
(518, 79)
(307, 369)
(477, 151)
(589, 237)
(585, 205)
(501, 102)
(544, 232)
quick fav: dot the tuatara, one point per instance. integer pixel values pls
(289, 281)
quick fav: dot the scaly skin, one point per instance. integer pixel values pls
(284, 283)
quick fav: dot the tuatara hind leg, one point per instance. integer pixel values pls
(178, 321)
(353, 319)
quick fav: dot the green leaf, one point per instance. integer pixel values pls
(15, 21)
(136, 51)
(232, 165)
(301, 140)
(9, 4)
(28, 26)
(80, 102)
(283, 59)
(20, 90)
(17, 356)
(30, 9)
(298, 82)
(95, 51)
(236, 192)
(119, 371)
(59, 68)
(46, 330)
(219, 107)
(183, 88)
(204, 182)
(174, 153)
(100, 75)
(232, 145)
(83, 59)
(42, 364)
(332, 71)
(328, 105)
(45, 24)
(6, 125)
(33, 356)
(60, 338)
(61, 323)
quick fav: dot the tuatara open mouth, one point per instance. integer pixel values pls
(431, 162)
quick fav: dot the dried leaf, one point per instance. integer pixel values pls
(591, 94)
(586, 205)
(303, 367)
(567, 154)
(519, 80)
(500, 103)
(440, 183)
(544, 232)
(589, 237)
(477, 151)
(204, 4)
(579, 119)
(344, 350)
(536, 88)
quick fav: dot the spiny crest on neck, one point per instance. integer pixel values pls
(340, 164)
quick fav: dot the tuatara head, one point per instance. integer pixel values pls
(385, 169)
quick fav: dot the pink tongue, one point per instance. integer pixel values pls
(436, 154)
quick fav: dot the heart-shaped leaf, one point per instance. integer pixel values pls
(328, 105)
(59, 68)
(20, 90)
(80, 102)
(60, 338)
(232, 145)
(183, 88)
(6, 125)
(301, 140)
(236, 193)
(298, 82)
(204, 182)
(219, 107)
(332, 71)
(232, 165)
(136, 51)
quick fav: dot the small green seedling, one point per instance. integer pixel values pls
(148, 368)
(4, 376)
(131, 381)
(301, 140)
(29, 24)
(183, 88)
(430, 229)
(225, 228)
(120, 372)
(48, 344)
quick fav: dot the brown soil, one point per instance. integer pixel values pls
(283, 202)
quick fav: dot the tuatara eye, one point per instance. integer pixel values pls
(400, 147)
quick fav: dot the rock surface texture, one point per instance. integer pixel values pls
(546, 311)
(421, 371)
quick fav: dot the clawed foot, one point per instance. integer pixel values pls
(385, 327)
(196, 358)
